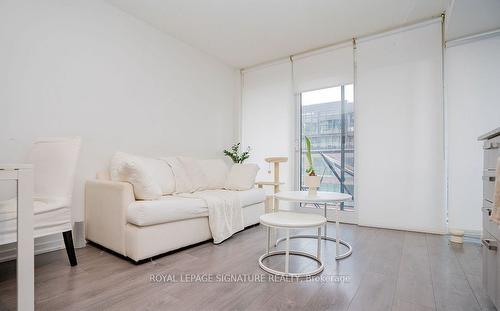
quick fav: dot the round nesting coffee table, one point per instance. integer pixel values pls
(287, 221)
(323, 198)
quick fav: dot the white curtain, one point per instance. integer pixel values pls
(267, 117)
(399, 145)
(472, 83)
(269, 106)
(325, 68)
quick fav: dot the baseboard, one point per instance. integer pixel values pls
(346, 216)
(44, 244)
(423, 230)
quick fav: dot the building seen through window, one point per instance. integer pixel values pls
(328, 120)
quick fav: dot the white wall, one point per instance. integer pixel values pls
(84, 68)
(473, 99)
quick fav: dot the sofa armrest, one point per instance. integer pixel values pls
(106, 204)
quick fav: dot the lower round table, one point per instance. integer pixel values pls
(287, 221)
(321, 198)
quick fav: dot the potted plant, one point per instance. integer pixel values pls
(311, 181)
(233, 153)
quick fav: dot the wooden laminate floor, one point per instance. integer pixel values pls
(388, 270)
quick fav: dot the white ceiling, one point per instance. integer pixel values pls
(241, 33)
(469, 17)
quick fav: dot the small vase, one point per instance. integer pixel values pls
(312, 183)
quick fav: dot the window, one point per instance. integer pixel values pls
(327, 118)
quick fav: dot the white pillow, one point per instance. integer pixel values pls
(195, 174)
(133, 169)
(188, 174)
(182, 181)
(215, 171)
(157, 169)
(241, 177)
(162, 174)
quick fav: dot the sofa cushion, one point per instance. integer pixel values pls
(50, 216)
(162, 174)
(173, 208)
(252, 196)
(167, 209)
(195, 173)
(159, 170)
(182, 181)
(215, 171)
(188, 174)
(135, 170)
(241, 177)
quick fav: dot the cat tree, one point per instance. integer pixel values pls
(276, 181)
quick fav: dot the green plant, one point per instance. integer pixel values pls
(233, 153)
(310, 169)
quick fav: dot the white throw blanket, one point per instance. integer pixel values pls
(225, 215)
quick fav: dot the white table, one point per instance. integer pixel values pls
(324, 198)
(287, 221)
(23, 175)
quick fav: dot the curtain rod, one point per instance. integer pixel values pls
(472, 38)
(399, 28)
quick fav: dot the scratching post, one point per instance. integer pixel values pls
(276, 180)
(276, 186)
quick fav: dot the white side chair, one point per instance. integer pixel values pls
(54, 161)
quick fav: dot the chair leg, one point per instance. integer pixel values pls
(70, 249)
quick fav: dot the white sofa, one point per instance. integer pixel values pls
(141, 229)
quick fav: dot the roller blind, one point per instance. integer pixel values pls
(472, 96)
(267, 117)
(399, 140)
(325, 68)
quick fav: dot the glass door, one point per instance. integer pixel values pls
(327, 118)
